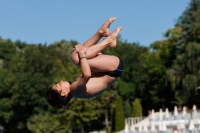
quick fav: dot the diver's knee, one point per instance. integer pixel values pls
(75, 59)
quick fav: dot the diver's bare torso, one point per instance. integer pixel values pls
(97, 84)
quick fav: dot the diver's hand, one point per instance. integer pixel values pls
(80, 49)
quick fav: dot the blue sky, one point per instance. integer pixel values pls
(47, 21)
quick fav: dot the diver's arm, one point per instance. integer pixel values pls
(85, 69)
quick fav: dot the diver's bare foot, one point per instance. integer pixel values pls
(104, 29)
(113, 37)
(113, 43)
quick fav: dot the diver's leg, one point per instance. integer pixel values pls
(103, 63)
(102, 32)
(110, 41)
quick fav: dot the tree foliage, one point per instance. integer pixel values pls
(137, 108)
(118, 116)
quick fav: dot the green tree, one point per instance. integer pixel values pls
(40, 124)
(154, 89)
(137, 108)
(27, 71)
(184, 73)
(80, 113)
(118, 116)
(107, 101)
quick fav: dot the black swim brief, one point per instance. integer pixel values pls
(118, 71)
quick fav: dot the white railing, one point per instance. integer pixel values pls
(165, 122)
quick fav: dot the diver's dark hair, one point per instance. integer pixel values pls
(55, 99)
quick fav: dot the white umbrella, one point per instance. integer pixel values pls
(194, 107)
(139, 128)
(152, 128)
(126, 130)
(164, 127)
(184, 111)
(160, 114)
(145, 127)
(191, 125)
(132, 128)
(180, 126)
(194, 111)
(175, 111)
(166, 113)
(160, 126)
(152, 115)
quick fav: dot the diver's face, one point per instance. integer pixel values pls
(62, 88)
